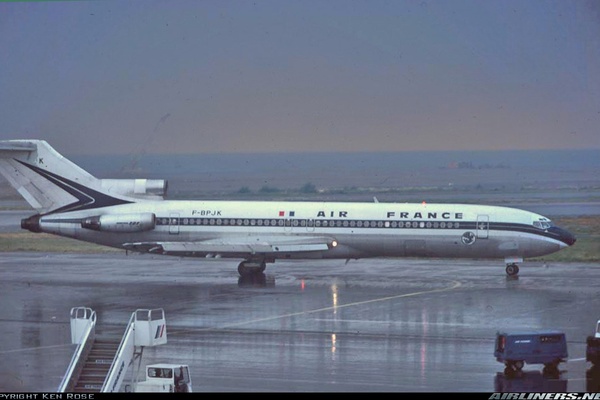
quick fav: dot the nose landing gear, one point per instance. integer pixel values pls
(512, 269)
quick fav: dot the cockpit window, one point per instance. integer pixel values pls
(542, 223)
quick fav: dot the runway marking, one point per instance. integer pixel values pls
(455, 284)
(358, 321)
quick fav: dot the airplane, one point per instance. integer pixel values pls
(134, 215)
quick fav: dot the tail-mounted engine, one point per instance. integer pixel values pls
(120, 222)
(154, 189)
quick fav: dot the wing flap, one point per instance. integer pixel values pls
(245, 246)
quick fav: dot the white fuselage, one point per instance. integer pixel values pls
(360, 230)
(132, 214)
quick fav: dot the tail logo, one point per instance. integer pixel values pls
(86, 198)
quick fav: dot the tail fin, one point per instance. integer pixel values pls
(48, 181)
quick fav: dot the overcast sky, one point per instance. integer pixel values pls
(288, 76)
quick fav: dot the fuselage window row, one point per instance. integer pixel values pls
(307, 223)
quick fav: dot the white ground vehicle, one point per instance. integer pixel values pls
(165, 378)
(592, 351)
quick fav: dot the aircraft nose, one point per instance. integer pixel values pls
(563, 235)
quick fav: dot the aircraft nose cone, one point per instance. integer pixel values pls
(563, 235)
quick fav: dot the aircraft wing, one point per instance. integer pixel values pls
(236, 246)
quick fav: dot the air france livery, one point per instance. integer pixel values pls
(133, 214)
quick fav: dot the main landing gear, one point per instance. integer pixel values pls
(251, 267)
(512, 269)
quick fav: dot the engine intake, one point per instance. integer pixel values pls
(120, 222)
(139, 188)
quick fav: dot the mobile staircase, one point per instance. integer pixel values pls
(100, 362)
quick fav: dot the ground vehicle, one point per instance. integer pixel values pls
(166, 378)
(514, 349)
(592, 351)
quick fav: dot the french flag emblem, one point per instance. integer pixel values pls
(289, 213)
(159, 331)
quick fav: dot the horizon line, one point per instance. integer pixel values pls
(325, 152)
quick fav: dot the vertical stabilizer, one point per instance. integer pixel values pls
(47, 180)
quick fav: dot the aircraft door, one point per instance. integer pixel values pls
(483, 226)
(174, 223)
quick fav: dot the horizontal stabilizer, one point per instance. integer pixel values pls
(9, 145)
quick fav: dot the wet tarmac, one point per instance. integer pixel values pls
(402, 325)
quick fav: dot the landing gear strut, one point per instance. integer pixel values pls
(248, 267)
(512, 269)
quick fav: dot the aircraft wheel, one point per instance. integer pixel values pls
(519, 365)
(512, 269)
(243, 270)
(551, 367)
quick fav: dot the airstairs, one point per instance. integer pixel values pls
(96, 367)
(101, 361)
